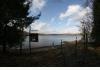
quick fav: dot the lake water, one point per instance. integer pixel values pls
(48, 40)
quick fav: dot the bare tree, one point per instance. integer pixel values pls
(86, 28)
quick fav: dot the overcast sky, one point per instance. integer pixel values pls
(58, 16)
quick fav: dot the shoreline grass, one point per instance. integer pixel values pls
(67, 56)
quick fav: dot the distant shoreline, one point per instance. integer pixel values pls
(59, 34)
(54, 34)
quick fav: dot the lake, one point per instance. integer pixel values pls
(49, 40)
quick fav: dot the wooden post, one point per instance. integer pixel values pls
(29, 39)
(21, 48)
(76, 46)
(63, 54)
(21, 42)
(84, 38)
(86, 47)
(4, 47)
(53, 45)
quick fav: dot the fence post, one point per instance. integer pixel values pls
(29, 39)
(76, 46)
(53, 45)
(21, 42)
(86, 41)
(63, 53)
(21, 48)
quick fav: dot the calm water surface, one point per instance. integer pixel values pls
(48, 40)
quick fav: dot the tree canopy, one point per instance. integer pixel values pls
(96, 27)
(13, 19)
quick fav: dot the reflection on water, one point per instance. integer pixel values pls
(47, 40)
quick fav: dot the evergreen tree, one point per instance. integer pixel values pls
(13, 19)
(96, 27)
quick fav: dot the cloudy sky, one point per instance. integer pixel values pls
(58, 16)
